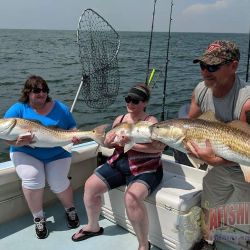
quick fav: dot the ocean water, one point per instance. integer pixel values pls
(54, 55)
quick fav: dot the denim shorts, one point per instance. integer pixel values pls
(119, 174)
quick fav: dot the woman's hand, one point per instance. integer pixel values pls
(121, 140)
(23, 140)
(109, 138)
(112, 139)
(75, 140)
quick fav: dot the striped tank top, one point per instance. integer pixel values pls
(139, 162)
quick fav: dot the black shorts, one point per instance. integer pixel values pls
(119, 174)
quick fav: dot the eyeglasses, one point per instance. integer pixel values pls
(38, 90)
(212, 68)
(129, 99)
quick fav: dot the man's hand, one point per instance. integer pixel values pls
(206, 154)
(200, 153)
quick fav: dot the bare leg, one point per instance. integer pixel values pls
(34, 198)
(137, 212)
(94, 188)
(66, 197)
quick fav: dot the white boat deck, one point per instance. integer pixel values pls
(20, 233)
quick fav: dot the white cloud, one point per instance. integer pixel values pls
(201, 8)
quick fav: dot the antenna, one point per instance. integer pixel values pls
(166, 67)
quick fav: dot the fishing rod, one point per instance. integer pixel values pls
(166, 67)
(248, 58)
(150, 45)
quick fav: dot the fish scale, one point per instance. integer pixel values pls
(228, 142)
(223, 133)
(12, 128)
(138, 132)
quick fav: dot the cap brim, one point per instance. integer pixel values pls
(197, 60)
(209, 60)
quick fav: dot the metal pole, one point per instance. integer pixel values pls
(248, 58)
(76, 97)
(166, 67)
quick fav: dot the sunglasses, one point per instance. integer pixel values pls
(128, 99)
(38, 90)
(212, 68)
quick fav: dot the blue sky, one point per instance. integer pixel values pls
(131, 15)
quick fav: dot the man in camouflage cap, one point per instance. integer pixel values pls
(219, 52)
(224, 93)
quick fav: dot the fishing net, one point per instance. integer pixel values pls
(98, 46)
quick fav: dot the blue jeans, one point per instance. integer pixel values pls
(119, 174)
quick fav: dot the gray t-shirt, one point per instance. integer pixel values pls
(227, 108)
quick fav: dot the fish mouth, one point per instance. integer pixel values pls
(153, 134)
(12, 124)
(151, 131)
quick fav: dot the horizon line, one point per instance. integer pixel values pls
(46, 29)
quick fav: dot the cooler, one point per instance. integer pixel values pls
(173, 209)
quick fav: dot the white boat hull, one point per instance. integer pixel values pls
(12, 202)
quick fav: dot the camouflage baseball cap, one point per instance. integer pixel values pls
(218, 52)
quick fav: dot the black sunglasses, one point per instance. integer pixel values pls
(38, 90)
(129, 99)
(212, 68)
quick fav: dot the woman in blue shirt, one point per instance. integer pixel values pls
(33, 164)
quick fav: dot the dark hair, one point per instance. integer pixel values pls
(33, 81)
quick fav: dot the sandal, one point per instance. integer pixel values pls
(86, 234)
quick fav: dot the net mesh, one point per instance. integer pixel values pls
(98, 47)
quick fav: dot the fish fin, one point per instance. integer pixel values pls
(195, 161)
(246, 171)
(128, 146)
(100, 133)
(98, 149)
(53, 127)
(181, 140)
(36, 121)
(243, 126)
(101, 129)
(125, 124)
(209, 116)
(49, 126)
(68, 147)
(144, 123)
(25, 134)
